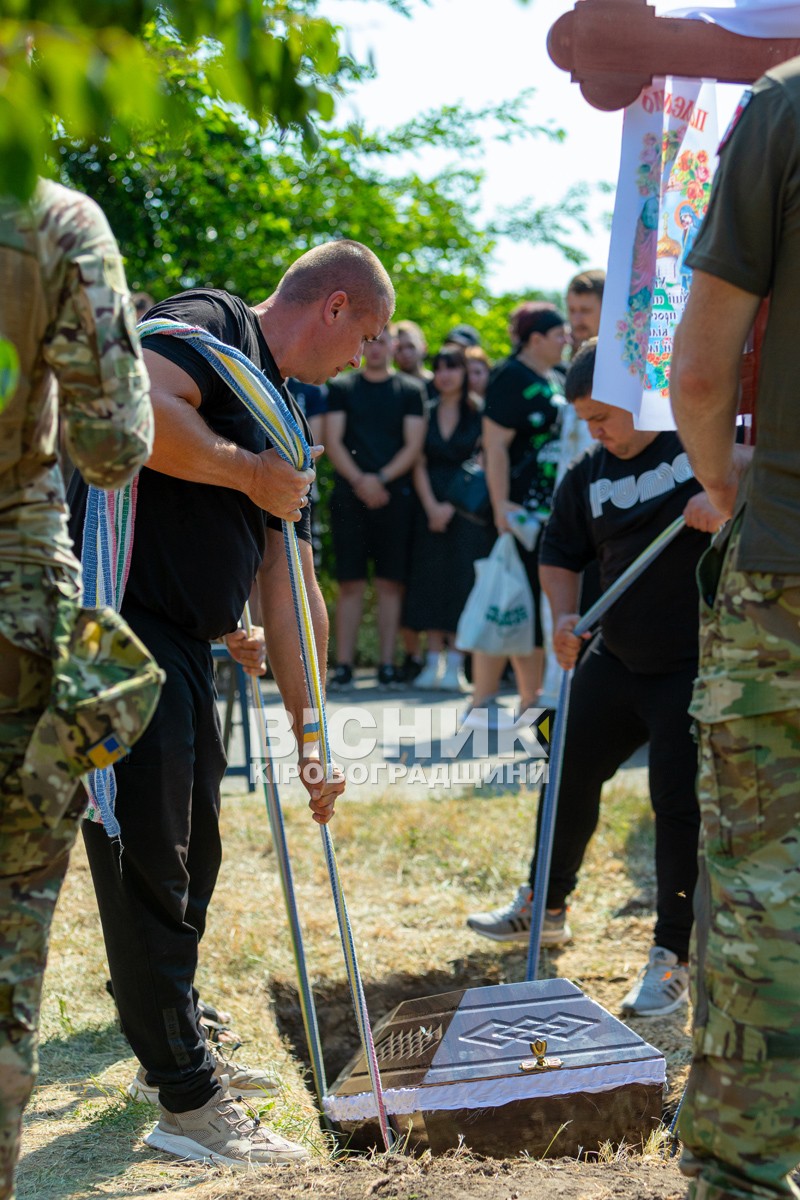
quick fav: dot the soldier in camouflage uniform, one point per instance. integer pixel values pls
(740, 1121)
(65, 319)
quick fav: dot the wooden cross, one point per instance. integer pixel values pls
(614, 48)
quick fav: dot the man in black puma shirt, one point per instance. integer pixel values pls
(210, 503)
(634, 683)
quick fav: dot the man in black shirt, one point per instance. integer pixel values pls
(410, 349)
(208, 517)
(634, 683)
(375, 430)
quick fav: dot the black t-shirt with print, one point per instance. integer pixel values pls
(611, 509)
(519, 398)
(197, 547)
(375, 413)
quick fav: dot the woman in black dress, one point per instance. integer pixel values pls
(445, 544)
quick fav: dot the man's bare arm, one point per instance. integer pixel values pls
(340, 456)
(187, 448)
(497, 440)
(704, 382)
(563, 589)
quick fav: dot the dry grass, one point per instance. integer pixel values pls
(412, 870)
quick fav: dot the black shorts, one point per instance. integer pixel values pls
(380, 535)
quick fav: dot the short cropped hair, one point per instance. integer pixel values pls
(479, 353)
(412, 330)
(340, 265)
(588, 283)
(580, 375)
(464, 335)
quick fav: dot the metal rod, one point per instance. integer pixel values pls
(544, 842)
(275, 814)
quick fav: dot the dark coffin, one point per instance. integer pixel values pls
(451, 1069)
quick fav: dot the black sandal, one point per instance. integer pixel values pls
(214, 1023)
(207, 1012)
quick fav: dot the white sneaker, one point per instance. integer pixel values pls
(453, 680)
(222, 1132)
(429, 677)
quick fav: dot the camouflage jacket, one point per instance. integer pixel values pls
(66, 311)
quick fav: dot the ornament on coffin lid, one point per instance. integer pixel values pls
(540, 1062)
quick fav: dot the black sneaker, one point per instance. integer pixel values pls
(389, 676)
(341, 678)
(411, 668)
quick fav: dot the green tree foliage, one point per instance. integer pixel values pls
(86, 64)
(229, 207)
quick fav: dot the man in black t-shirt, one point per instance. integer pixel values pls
(375, 430)
(410, 349)
(207, 526)
(634, 683)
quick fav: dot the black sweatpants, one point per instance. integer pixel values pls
(153, 897)
(612, 713)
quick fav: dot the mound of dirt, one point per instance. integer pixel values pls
(458, 1178)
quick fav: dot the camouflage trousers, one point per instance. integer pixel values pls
(34, 851)
(740, 1121)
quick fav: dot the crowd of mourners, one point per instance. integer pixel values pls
(398, 432)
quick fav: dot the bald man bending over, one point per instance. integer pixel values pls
(207, 526)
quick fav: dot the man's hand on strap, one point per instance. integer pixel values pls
(323, 792)
(277, 487)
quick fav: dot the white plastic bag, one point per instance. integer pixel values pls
(498, 615)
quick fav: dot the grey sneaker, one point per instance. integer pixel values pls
(513, 923)
(555, 929)
(661, 988)
(234, 1078)
(223, 1132)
